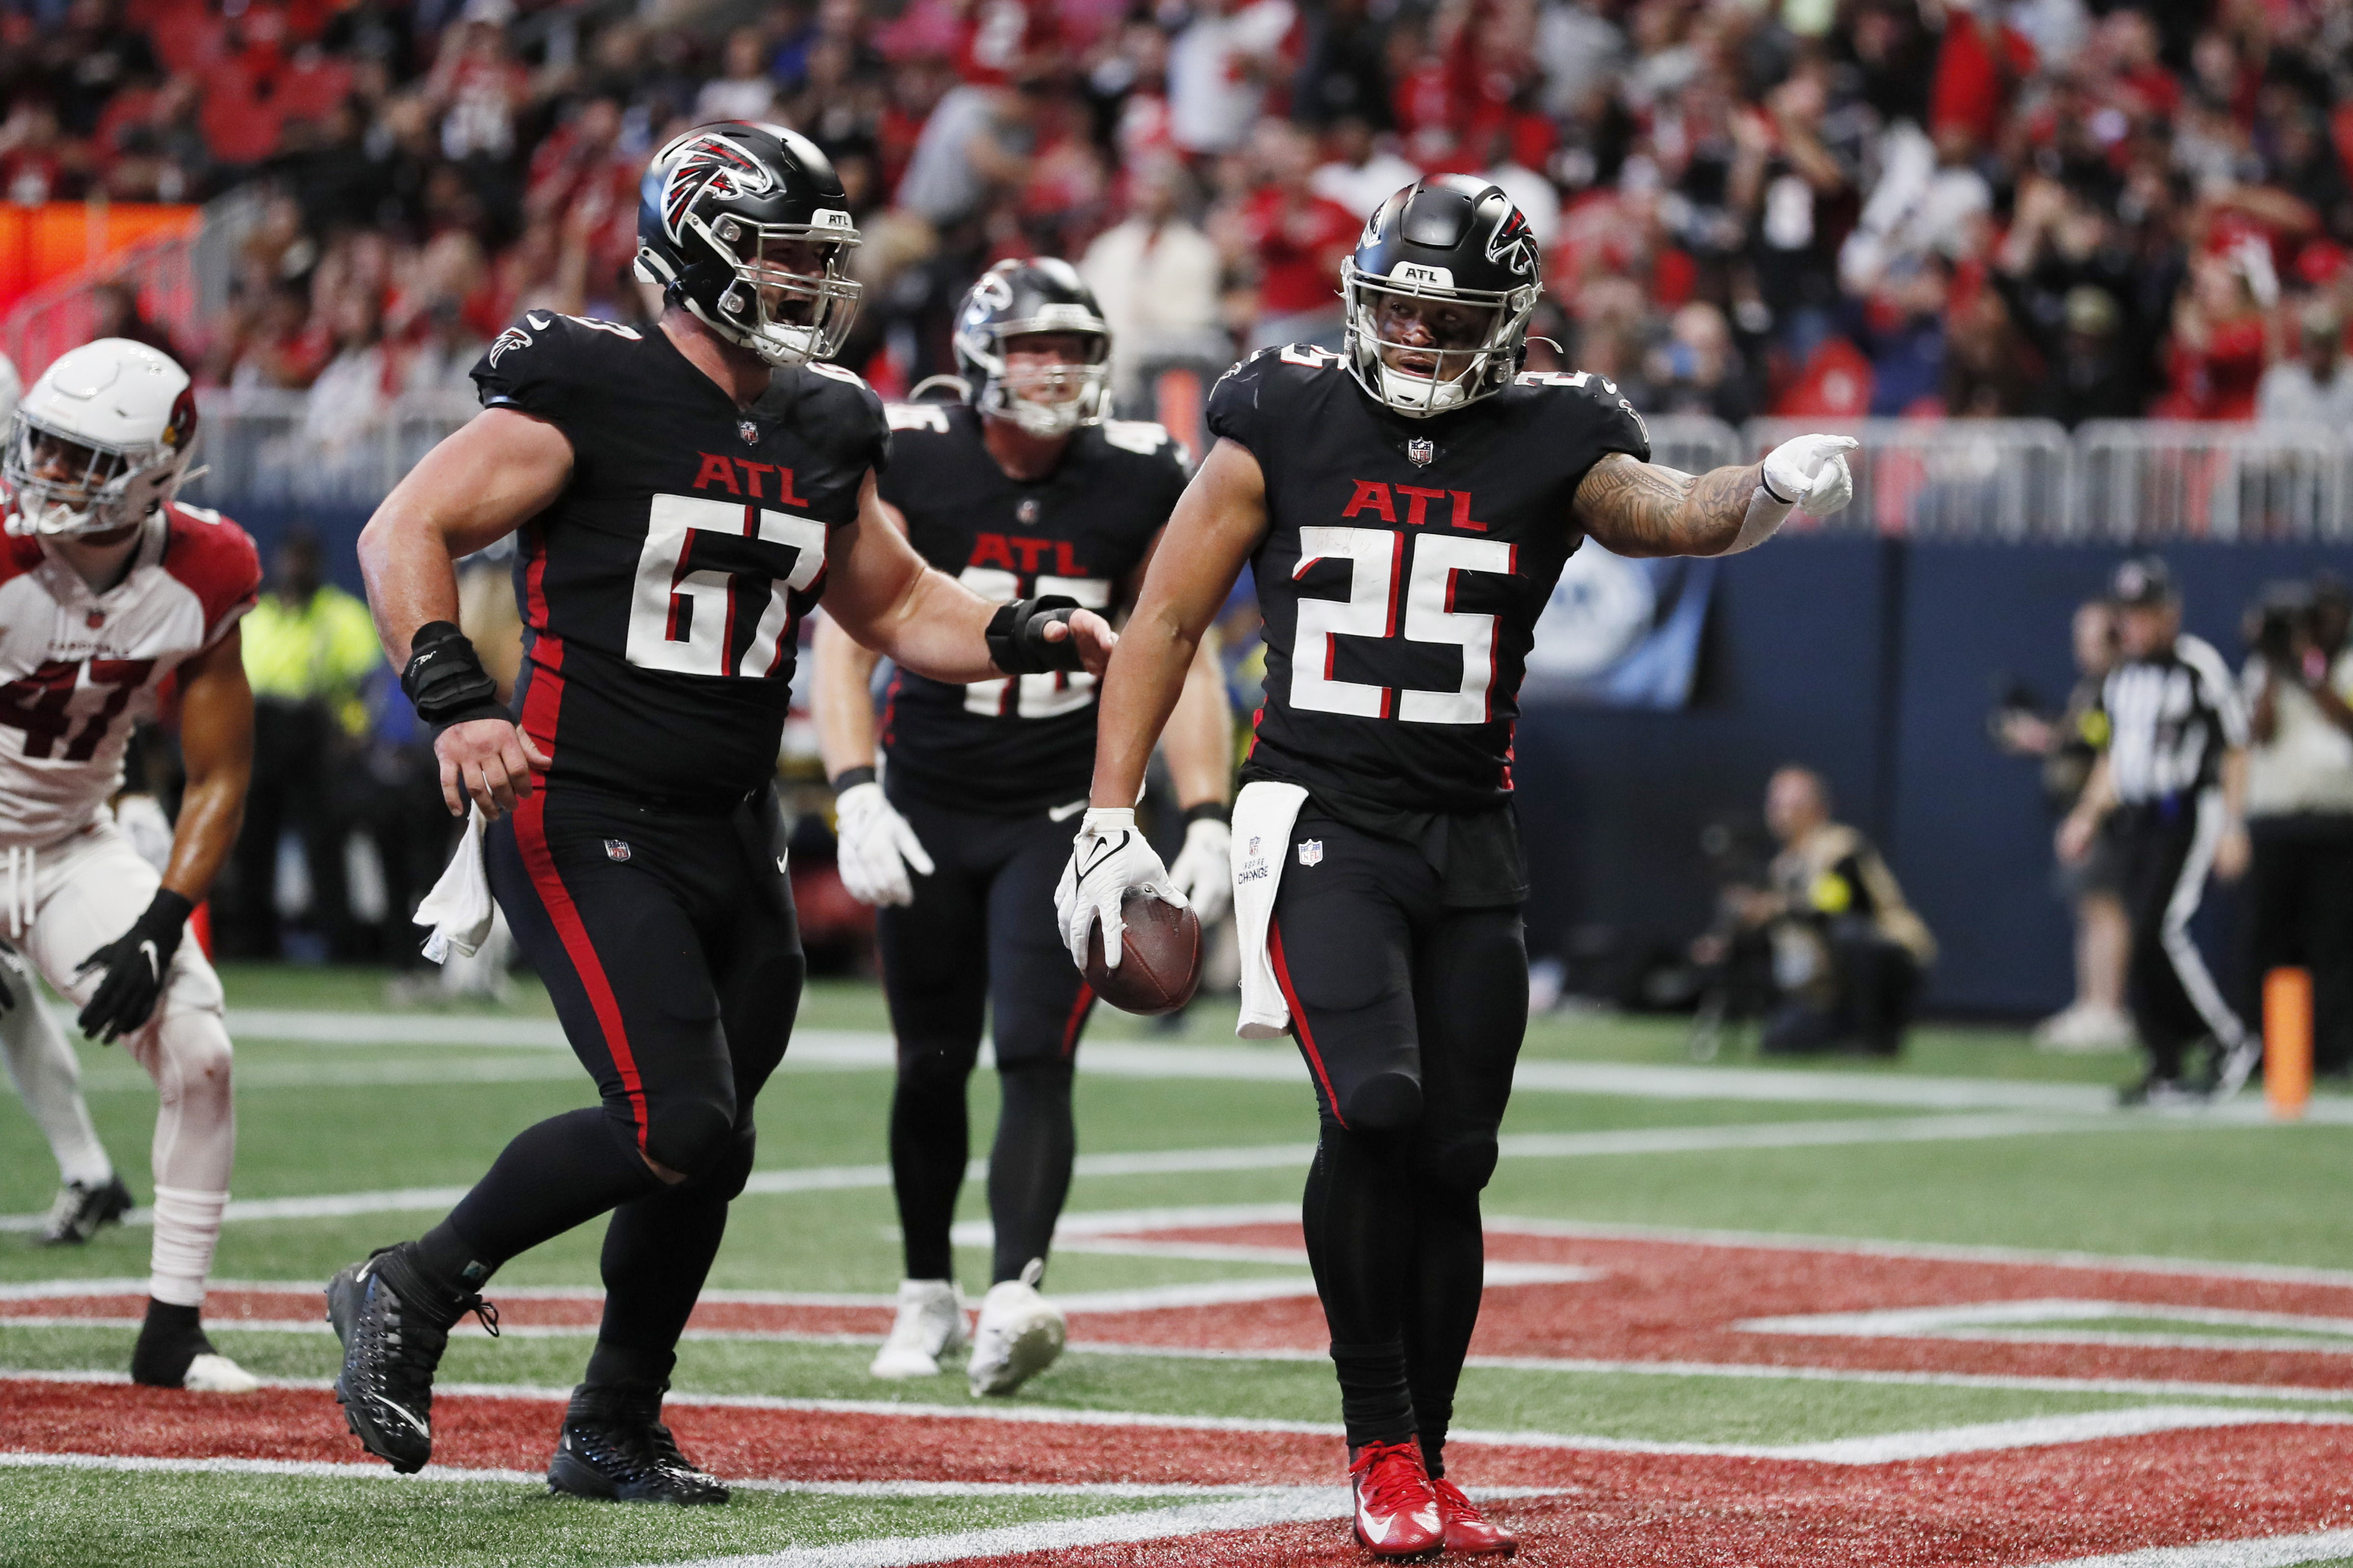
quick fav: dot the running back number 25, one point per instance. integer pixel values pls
(1372, 610)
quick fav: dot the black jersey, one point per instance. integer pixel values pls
(662, 592)
(1017, 743)
(1405, 564)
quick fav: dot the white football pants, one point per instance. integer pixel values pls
(59, 904)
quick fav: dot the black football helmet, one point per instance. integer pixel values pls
(1015, 298)
(1449, 241)
(718, 206)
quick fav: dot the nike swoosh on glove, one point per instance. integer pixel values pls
(135, 965)
(1811, 471)
(1108, 859)
(1204, 871)
(875, 847)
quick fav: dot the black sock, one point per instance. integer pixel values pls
(657, 1251)
(931, 1139)
(1441, 1307)
(563, 1173)
(171, 1336)
(1359, 1230)
(1029, 1164)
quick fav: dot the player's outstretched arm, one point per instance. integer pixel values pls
(883, 594)
(217, 746)
(1218, 523)
(1632, 508)
(502, 468)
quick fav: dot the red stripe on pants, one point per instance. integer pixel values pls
(1299, 1017)
(531, 838)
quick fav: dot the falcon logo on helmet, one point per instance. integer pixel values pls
(101, 441)
(747, 228)
(1437, 296)
(711, 163)
(1023, 298)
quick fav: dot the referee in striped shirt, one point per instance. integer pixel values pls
(2170, 790)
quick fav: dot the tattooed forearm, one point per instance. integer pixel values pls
(1646, 509)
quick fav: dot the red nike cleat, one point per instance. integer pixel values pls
(1396, 1513)
(1466, 1531)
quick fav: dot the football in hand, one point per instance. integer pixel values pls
(1159, 957)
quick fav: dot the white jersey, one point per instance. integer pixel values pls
(78, 670)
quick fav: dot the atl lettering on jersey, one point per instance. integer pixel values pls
(1404, 566)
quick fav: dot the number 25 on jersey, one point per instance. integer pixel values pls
(1372, 609)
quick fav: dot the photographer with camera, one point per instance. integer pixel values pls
(2298, 677)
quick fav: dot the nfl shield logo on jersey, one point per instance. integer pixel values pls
(749, 431)
(1311, 852)
(617, 848)
(1420, 451)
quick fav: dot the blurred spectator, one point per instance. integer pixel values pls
(2091, 372)
(1218, 67)
(1297, 240)
(1343, 70)
(2299, 679)
(1359, 173)
(349, 398)
(309, 647)
(2314, 387)
(1697, 370)
(745, 89)
(978, 143)
(1155, 277)
(2069, 745)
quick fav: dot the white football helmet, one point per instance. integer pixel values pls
(11, 389)
(101, 441)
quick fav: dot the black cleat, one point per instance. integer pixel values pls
(80, 1210)
(394, 1325)
(615, 1448)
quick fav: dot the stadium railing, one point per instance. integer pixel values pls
(1960, 479)
(2144, 479)
(260, 446)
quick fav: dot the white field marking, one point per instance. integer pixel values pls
(1155, 1524)
(39, 1290)
(1982, 1321)
(1124, 1058)
(1256, 1157)
(2253, 1551)
(1881, 1448)
(360, 1471)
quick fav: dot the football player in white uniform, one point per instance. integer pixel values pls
(44, 1068)
(109, 590)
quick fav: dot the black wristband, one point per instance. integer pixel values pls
(1017, 636)
(1208, 811)
(850, 778)
(1766, 485)
(445, 679)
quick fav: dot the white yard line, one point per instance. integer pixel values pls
(1305, 1503)
(1253, 1157)
(2257, 1551)
(1984, 1322)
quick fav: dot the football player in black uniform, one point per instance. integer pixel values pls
(685, 495)
(1407, 506)
(1024, 490)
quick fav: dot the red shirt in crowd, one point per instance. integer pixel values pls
(1300, 241)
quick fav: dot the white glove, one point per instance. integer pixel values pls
(1204, 871)
(1108, 859)
(1811, 471)
(876, 846)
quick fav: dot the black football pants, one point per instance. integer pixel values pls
(981, 936)
(1411, 1015)
(668, 942)
(2166, 849)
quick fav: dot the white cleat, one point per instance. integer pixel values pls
(219, 1374)
(1020, 1334)
(929, 1324)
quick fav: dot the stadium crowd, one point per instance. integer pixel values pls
(2057, 207)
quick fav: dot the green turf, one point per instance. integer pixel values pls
(318, 1118)
(91, 1519)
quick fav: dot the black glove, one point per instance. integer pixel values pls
(135, 963)
(1017, 636)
